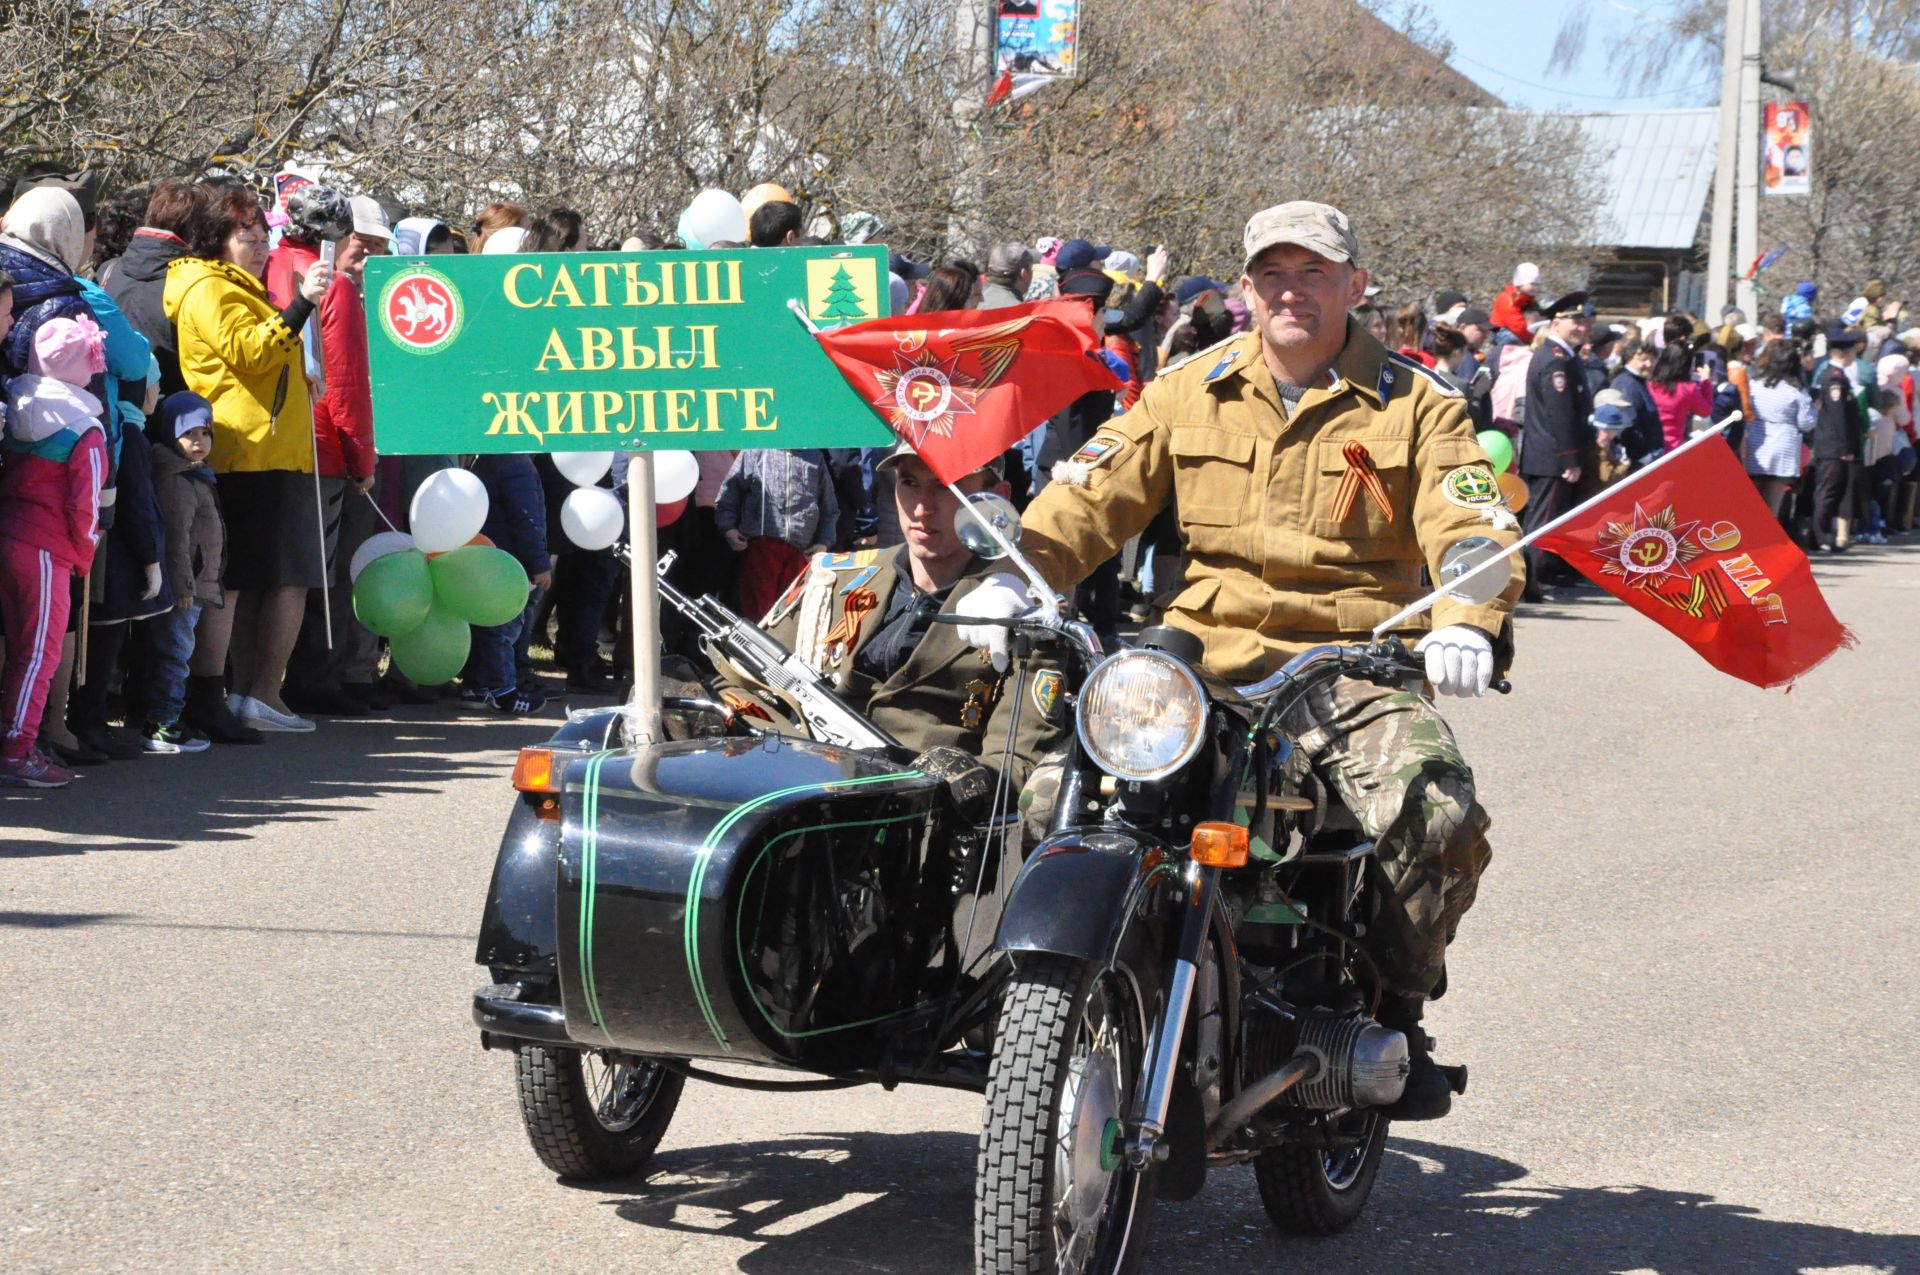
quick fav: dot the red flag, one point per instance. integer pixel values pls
(1001, 87)
(1694, 548)
(963, 393)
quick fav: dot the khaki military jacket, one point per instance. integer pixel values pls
(947, 693)
(1294, 535)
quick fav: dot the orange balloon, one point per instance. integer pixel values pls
(477, 540)
(764, 193)
(1514, 488)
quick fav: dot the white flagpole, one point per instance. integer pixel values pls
(1044, 593)
(1605, 493)
(643, 542)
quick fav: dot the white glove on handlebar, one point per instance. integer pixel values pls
(999, 597)
(1459, 660)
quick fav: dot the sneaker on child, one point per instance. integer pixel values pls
(35, 770)
(167, 738)
(514, 700)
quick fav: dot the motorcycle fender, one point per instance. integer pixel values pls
(517, 928)
(1077, 893)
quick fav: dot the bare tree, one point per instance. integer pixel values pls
(1184, 117)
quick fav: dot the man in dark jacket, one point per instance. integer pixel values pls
(138, 281)
(1556, 433)
(1836, 435)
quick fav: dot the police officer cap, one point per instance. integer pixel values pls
(997, 466)
(1839, 334)
(1572, 303)
(1318, 228)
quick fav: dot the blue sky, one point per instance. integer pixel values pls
(1516, 37)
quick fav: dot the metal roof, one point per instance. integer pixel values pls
(1658, 169)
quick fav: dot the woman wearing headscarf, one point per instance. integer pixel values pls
(43, 240)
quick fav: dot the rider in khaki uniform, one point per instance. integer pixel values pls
(1315, 475)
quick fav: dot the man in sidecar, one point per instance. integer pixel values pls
(864, 621)
(1315, 475)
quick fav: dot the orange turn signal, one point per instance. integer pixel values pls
(1220, 845)
(535, 771)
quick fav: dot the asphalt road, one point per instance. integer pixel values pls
(236, 1037)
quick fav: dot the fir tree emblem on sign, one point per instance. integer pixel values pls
(842, 290)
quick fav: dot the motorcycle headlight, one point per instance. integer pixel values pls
(1142, 715)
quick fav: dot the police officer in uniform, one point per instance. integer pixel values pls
(1315, 475)
(1557, 435)
(1836, 436)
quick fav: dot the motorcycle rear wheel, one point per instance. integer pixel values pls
(590, 1116)
(1307, 1191)
(1055, 1195)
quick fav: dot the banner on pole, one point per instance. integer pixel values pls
(602, 351)
(1788, 127)
(1035, 37)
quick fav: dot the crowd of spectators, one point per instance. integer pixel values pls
(188, 464)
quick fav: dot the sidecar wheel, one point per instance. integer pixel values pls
(592, 1116)
(1306, 1191)
(1055, 1194)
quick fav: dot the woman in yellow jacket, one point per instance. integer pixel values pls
(244, 356)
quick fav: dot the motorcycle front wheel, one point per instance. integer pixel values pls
(1055, 1194)
(590, 1115)
(1308, 1191)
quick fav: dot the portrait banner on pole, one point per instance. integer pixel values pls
(1788, 130)
(617, 351)
(1035, 37)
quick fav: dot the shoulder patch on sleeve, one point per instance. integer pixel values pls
(1432, 377)
(1047, 684)
(1471, 486)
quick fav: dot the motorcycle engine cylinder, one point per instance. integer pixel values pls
(1362, 1064)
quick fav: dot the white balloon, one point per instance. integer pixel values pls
(714, 216)
(377, 546)
(583, 469)
(448, 510)
(675, 475)
(592, 517)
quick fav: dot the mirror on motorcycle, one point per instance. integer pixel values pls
(996, 509)
(1464, 557)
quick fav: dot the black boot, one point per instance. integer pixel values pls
(206, 711)
(1430, 1087)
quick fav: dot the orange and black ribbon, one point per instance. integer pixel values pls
(1360, 473)
(846, 630)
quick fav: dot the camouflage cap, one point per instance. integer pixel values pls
(904, 450)
(1315, 227)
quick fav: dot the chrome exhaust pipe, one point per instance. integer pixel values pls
(1251, 1100)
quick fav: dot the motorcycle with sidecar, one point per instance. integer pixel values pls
(1173, 979)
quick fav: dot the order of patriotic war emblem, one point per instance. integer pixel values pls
(421, 311)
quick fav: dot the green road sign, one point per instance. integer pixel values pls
(598, 351)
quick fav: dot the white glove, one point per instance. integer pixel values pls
(153, 581)
(1000, 597)
(1459, 660)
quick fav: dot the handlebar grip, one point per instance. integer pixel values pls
(985, 621)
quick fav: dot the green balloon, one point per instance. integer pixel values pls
(479, 583)
(1499, 449)
(435, 650)
(393, 593)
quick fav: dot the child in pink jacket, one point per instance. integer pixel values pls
(55, 461)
